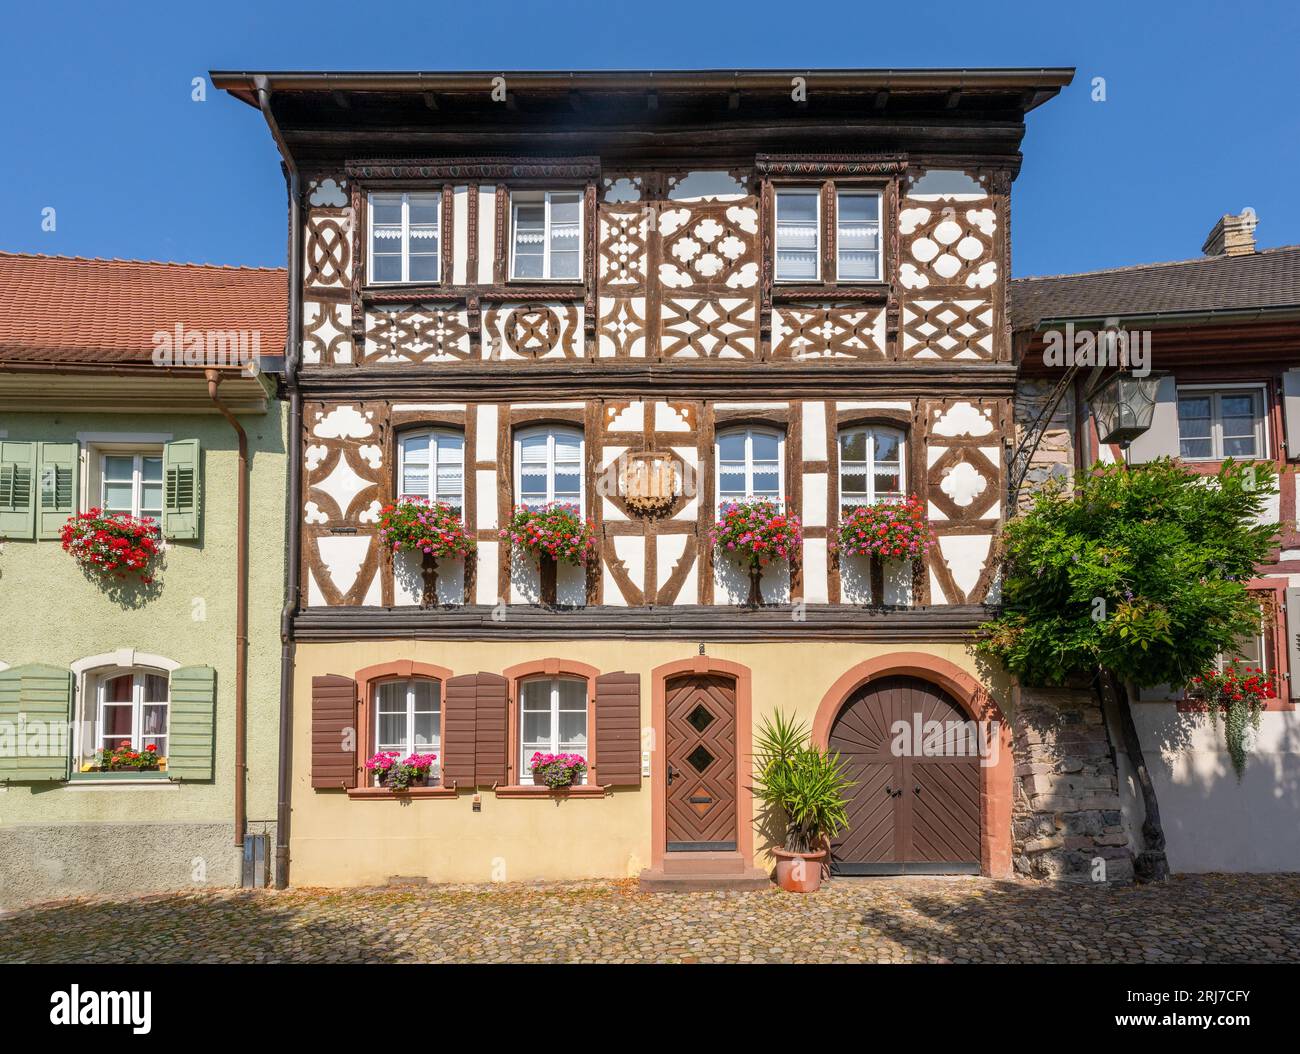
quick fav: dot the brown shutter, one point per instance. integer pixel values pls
(334, 734)
(459, 717)
(618, 730)
(492, 730)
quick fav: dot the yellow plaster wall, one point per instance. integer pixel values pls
(337, 841)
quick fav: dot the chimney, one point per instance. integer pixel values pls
(1232, 235)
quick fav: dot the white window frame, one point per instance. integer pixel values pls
(857, 192)
(530, 197)
(137, 454)
(433, 435)
(816, 194)
(525, 771)
(1257, 390)
(409, 746)
(138, 703)
(406, 196)
(869, 432)
(749, 431)
(550, 431)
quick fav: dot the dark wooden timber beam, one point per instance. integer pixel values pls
(583, 379)
(948, 624)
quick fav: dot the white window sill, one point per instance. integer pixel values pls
(123, 784)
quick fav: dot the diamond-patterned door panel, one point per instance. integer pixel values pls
(701, 749)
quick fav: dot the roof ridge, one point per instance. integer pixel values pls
(152, 263)
(1151, 266)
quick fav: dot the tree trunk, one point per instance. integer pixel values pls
(1151, 864)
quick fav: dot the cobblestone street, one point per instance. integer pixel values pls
(1213, 918)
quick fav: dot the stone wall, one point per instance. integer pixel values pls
(1055, 453)
(1067, 821)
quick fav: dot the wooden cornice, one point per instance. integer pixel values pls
(583, 379)
(603, 622)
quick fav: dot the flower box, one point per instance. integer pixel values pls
(112, 545)
(411, 771)
(556, 532)
(891, 530)
(557, 771)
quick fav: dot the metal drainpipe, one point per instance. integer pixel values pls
(292, 352)
(241, 607)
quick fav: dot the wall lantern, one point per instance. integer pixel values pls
(1123, 406)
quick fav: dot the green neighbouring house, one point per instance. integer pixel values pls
(122, 385)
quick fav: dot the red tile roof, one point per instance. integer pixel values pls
(67, 309)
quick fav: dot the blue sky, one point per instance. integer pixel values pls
(1200, 117)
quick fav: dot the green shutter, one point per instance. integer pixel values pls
(191, 733)
(9, 682)
(36, 706)
(58, 487)
(181, 490)
(17, 489)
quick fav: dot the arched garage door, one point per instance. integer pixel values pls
(914, 810)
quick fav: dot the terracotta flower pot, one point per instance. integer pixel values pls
(799, 872)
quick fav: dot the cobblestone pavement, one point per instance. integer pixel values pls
(1210, 918)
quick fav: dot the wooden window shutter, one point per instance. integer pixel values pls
(618, 730)
(1292, 690)
(17, 490)
(333, 731)
(459, 720)
(181, 490)
(492, 730)
(192, 731)
(1291, 411)
(36, 695)
(1161, 439)
(58, 487)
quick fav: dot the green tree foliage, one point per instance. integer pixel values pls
(1140, 572)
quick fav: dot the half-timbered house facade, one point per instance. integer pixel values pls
(644, 294)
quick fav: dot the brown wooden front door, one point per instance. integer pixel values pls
(700, 746)
(913, 811)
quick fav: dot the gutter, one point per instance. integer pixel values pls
(241, 610)
(1039, 83)
(1174, 318)
(293, 514)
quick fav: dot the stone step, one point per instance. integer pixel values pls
(655, 881)
(713, 863)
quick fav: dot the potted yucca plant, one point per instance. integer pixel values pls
(803, 793)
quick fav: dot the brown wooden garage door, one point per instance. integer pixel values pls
(909, 814)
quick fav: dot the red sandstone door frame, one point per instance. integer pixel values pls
(659, 677)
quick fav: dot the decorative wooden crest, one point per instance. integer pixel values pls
(648, 482)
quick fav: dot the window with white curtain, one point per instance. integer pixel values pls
(1213, 425)
(431, 464)
(857, 236)
(552, 720)
(408, 718)
(871, 465)
(132, 707)
(404, 237)
(798, 257)
(750, 464)
(548, 466)
(546, 235)
(131, 483)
